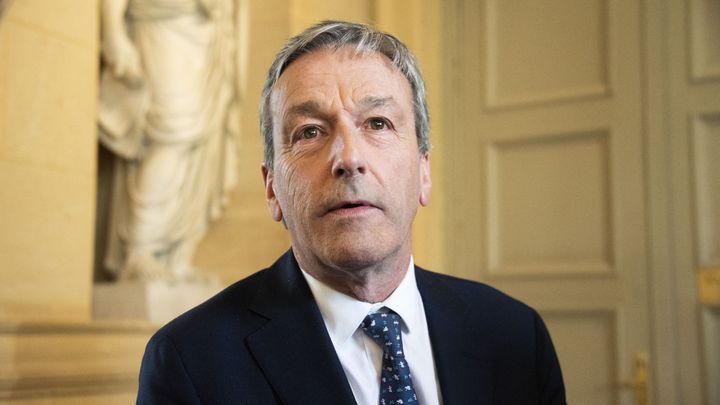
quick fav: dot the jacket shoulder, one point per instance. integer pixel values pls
(227, 308)
(473, 293)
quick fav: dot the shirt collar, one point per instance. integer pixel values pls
(343, 314)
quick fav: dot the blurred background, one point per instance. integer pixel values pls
(575, 166)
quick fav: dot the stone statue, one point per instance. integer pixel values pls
(3, 5)
(169, 93)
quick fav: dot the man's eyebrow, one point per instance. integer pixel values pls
(371, 102)
(312, 108)
(304, 109)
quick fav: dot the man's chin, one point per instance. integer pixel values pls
(355, 261)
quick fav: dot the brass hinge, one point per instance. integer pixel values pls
(708, 280)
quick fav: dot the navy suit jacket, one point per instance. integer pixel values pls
(263, 341)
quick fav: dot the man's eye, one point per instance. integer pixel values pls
(378, 124)
(308, 133)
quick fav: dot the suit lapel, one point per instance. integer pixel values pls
(464, 369)
(293, 348)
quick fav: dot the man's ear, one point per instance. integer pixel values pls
(425, 182)
(270, 197)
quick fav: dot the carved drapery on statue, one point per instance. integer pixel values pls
(168, 112)
(4, 4)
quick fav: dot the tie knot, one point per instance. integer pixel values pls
(384, 329)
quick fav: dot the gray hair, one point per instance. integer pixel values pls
(335, 35)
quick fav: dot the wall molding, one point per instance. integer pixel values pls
(495, 100)
(68, 385)
(103, 327)
(54, 359)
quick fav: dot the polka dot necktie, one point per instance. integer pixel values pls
(396, 386)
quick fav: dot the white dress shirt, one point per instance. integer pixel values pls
(360, 356)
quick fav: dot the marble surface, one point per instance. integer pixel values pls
(156, 301)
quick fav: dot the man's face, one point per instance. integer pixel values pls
(347, 176)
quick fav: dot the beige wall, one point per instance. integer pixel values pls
(48, 66)
(48, 76)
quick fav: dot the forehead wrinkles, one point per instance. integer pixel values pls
(324, 66)
(313, 83)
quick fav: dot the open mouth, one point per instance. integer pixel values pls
(352, 205)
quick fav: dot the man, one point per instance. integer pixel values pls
(345, 316)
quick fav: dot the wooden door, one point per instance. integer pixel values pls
(545, 174)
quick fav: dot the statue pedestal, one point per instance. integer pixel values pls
(154, 301)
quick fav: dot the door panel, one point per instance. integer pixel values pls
(593, 363)
(524, 34)
(546, 178)
(549, 205)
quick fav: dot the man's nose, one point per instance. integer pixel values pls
(348, 153)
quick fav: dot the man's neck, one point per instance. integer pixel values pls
(372, 283)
